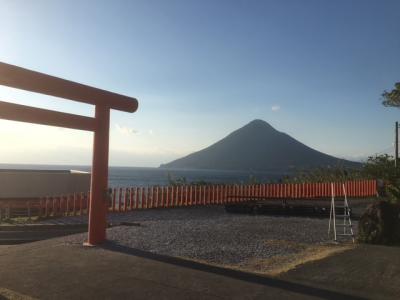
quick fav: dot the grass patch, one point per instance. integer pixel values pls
(279, 264)
(282, 263)
(11, 295)
(26, 220)
(19, 220)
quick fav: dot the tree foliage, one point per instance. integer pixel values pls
(380, 167)
(392, 98)
(325, 174)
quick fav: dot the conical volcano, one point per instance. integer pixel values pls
(257, 147)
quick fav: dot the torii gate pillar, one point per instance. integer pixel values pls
(99, 182)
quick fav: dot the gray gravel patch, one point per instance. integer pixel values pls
(210, 234)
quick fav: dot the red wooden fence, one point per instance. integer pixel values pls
(134, 198)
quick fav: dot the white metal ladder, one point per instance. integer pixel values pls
(346, 224)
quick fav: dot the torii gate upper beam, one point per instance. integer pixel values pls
(24, 79)
(32, 81)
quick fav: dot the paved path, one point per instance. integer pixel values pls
(370, 271)
(52, 269)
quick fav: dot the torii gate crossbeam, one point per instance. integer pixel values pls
(24, 79)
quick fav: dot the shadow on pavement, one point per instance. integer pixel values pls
(248, 277)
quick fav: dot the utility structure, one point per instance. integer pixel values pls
(104, 101)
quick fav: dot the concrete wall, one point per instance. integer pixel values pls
(40, 183)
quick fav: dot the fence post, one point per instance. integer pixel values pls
(365, 188)
(201, 189)
(162, 196)
(28, 204)
(136, 197)
(132, 197)
(204, 194)
(167, 196)
(152, 190)
(64, 200)
(126, 197)
(186, 195)
(46, 207)
(68, 197)
(179, 195)
(226, 188)
(292, 190)
(182, 192)
(156, 191)
(59, 205)
(357, 188)
(74, 205)
(248, 191)
(146, 197)
(40, 208)
(53, 206)
(199, 198)
(173, 196)
(279, 190)
(81, 203)
(87, 202)
(194, 196)
(142, 197)
(119, 199)
(114, 200)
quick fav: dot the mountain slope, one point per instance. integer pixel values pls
(257, 146)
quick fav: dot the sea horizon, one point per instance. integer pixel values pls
(127, 176)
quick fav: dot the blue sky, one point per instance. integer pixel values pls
(200, 69)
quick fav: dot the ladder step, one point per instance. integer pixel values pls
(345, 234)
(343, 216)
(344, 225)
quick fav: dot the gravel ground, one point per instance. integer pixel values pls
(210, 234)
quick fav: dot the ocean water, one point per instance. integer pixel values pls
(137, 176)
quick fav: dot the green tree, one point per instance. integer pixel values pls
(382, 167)
(392, 98)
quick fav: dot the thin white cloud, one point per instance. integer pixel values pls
(125, 130)
(275, 107)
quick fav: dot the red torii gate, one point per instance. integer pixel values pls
(24, 79)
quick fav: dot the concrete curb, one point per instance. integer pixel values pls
(19, 234)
